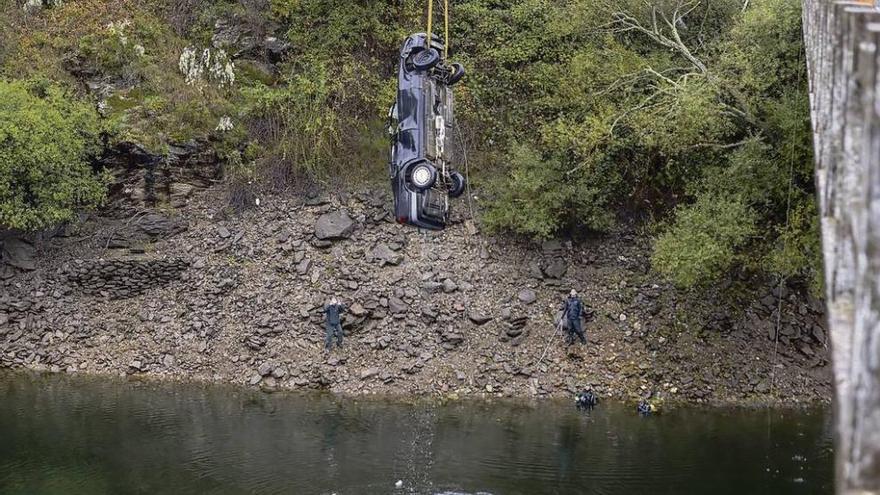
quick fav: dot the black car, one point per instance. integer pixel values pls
(420, 125)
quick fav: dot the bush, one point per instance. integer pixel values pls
(46, 139)
(703, 242)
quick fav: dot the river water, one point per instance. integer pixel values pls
(65, 435)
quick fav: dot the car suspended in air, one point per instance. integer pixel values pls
(420, 124)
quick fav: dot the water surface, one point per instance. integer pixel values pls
(64, 435)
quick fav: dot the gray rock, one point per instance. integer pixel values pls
(255, 379)
(556, 269)
(266, 369)
(369, 373)
(223, 232)
(479, 318)
(432, 287)
(449, 286)
(535, 270)
(303, 267)
(397, 306)
(276, 49)
(551, 247)
(357, 309)
(333, 226)
(386, 255)
(527, 296)
(155, 225)
(19, 253)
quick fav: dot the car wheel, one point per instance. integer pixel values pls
(457, 185)
(425, 59)
(457, 73)
(423, 176)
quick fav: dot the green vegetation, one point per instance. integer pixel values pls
(688, 115)
(46, 138)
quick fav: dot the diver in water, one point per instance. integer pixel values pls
(586, 399)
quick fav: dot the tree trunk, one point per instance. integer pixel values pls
(842, 41)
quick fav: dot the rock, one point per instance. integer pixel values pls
(449, 286)
(303, 267)
(275, 49)
(432, 287)
(397, 306)
(155, 225)
(316, 199)
(386, 255)
(527, 296)
(19, 253)
(556, 269)
(255, 379)
(180, 192)
(168, 360)
(479, 318)
(223, 232)
(535, 270)
(369, 373)
(333, 226)
(32, 6)
(552, 247)
(266, 369)
(357, 309)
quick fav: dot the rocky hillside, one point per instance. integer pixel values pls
(198, 294)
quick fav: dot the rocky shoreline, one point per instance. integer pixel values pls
(195, 294)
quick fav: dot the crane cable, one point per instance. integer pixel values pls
(445, 26)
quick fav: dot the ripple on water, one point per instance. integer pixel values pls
(67, 436)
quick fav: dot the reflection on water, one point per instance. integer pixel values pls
(67, 436)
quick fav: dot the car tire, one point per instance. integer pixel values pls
(457, 185)
(422, 176)
(457, 74)
(425, 59)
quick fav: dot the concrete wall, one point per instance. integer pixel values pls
(842, 39)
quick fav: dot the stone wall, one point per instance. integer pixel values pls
(122, 278)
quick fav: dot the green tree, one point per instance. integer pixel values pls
(47, 137)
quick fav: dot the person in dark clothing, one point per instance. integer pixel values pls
(333, 312)
(586, 399)
(572, 309)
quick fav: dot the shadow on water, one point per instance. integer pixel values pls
(63, 435)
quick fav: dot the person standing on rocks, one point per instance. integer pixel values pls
(333, 312)
(572, 309)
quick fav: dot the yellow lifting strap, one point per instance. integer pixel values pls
(445, 25)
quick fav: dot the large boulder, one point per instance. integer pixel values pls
(19, 253)
(334, 225)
